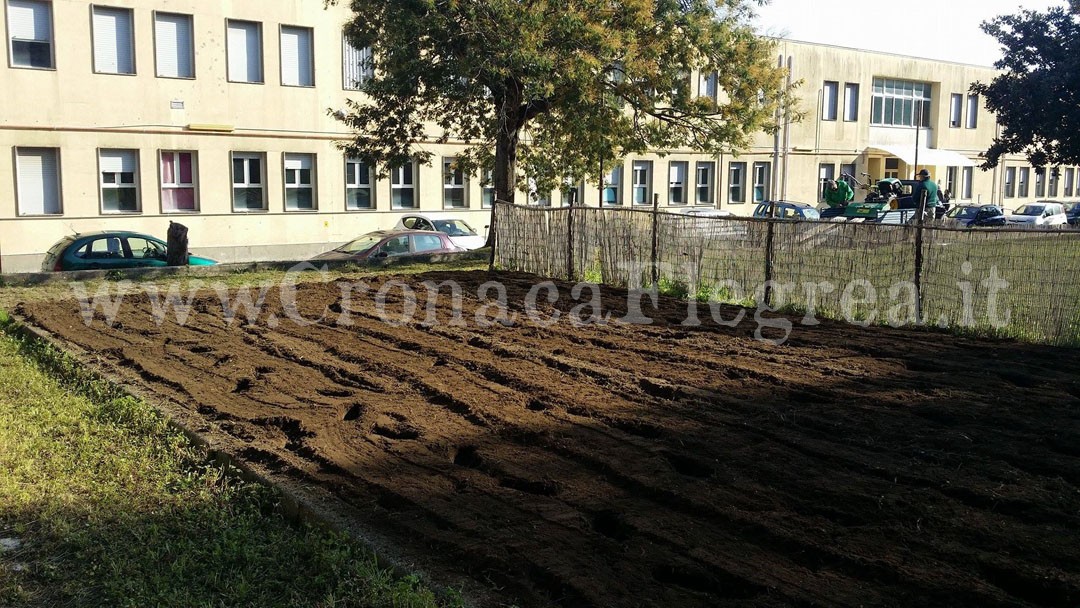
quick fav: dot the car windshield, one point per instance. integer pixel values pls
(361, 244)
(454, 227)
(810, 213)
(1030, 210)
(962, 213)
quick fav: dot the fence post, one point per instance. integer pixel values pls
(494, 238)
(920, 212)
(570, 242)
(655, 241)
(768, 296)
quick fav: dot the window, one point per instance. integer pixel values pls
(826, 171)
(145, 249)
(453, 185)
(1054, 173)
(114, 48)
(178, 181)
(245, 51)
(847, 173)
(829, 92)
(950, 179)
(1010, 182)
(534, 196)
(174, 47)
(38, 181)
(30, 29)
(1069, 176)
(358, 190)
(1022, 185)
(967, 176)
(403, 187)
(297, 63)
(892, 167)
(249, 193)
(703, 187)
(851, 102)
(641, 182)
(677, 171)
(761, 182)
(396, 246)
(357, 66)
(612, 194)
(972, 111)
(899, 103)
(707, 85)
(119, 190)
(572, 193)
(1040, 182)
(487, 190)
(300, 182)
(737, 182)
(426, 242)
(956, 106)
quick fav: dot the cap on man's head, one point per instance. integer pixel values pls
(924, 173)
(830, 183)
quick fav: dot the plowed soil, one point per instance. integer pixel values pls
(641, 465)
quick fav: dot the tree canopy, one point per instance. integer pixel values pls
(1037, 99)
(557, 84)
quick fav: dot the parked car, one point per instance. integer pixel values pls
(382, 244)
(1072, 213)
(459, 231)
(789, 210)
(705, 212)
(110, 249)
(1039, 213)
(971, 216)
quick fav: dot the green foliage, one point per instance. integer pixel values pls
(557, 84)
(114, 275)
(1037, 99)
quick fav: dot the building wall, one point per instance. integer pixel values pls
(78, 112)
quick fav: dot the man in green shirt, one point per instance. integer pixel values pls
(926, 190)
(838, 193)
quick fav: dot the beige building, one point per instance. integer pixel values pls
(134, 113)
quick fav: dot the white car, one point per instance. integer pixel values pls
(1039, 214)
(706, 212)
(459, 231)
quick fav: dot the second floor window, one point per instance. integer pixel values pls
(297, 63)
(829, 93)
(174, 45)
(851, 102)
(357, 66)
(30, 32)
(956, 106)
(114, 49)
(244, 48)
(900, 103)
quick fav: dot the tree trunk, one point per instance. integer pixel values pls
(177, 253)
(511, 121)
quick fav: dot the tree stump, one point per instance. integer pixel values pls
(177, 245)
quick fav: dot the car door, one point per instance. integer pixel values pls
(102, 253)
(427, 243)
(144, 252)
(394, 247)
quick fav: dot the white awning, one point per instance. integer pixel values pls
(930, 157)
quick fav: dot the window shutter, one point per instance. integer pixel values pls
(245, 62)
(112, 41)
(29, 20)
(296, 56)
(118, 161)
(174, 43)
(39, 191)
(357, 65)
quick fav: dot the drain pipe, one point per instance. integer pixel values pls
(776, 143)
(787, 134)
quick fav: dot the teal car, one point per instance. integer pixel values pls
(108, 250)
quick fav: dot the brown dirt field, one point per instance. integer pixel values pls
(643, 465)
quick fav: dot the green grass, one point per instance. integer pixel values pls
(114, 507)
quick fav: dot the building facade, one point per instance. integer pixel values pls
(219, 115)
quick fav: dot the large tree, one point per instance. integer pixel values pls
(556, 85)
(1037, 98)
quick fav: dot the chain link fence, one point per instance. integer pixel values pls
(994, 281)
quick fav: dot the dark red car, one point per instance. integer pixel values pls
(382, 244)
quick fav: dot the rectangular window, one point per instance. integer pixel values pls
(950, 179)
(677, 171)
(358, 185)
(1069, 177)
(297, 60)
(847, 173)
(967, 174)
(900, 103)
(1022, 185)
(826, 171)
(613, 187)
(244, 51)
(454, 185)
(1054, 173)
(30, 31)
(403, 187)
(761, 182)
(114, 47)
(829, 92)
(892, 167)
(1010, 182)
(178, 171)
(38, 181)
(300, 182)
(572, 193)
(174, 45)
(851, 102)
(705, 183)
(487, 190)
(641, 182)
(357, 66)
(1040, 182)
(972, 111)
(119, 183)
(534, 196)
(249, 188)
(737, 182)
(707, 87)
(956, 106)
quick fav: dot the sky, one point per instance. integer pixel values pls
(946, 30)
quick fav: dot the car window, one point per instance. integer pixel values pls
(398, 245)
(1030, 210)
(361, 244)
(426, 242)
(102, 249)
(811, 214)
(409, 222)
(454, 227)
(145, 249)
